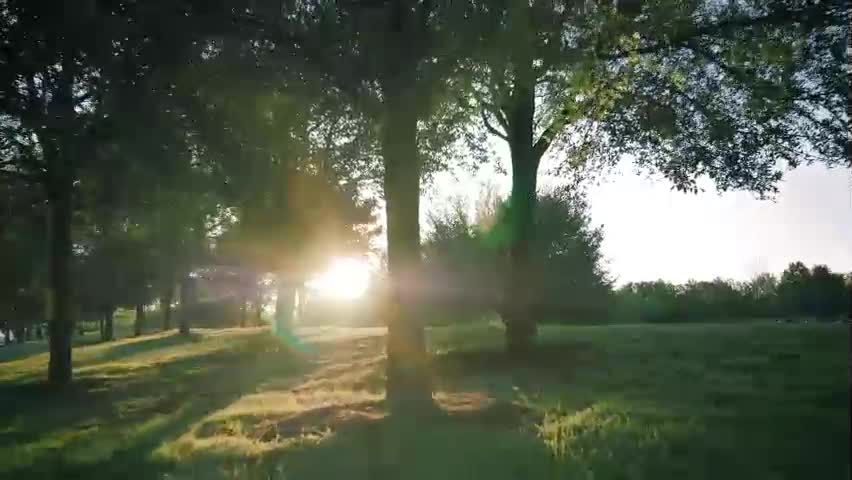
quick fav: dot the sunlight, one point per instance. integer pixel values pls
(347, 278)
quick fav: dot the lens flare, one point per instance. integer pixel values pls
(346, 279)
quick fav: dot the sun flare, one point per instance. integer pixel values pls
(346, 278)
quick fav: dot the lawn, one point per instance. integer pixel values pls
(767, 401)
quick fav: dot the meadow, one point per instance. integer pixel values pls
(751, 400)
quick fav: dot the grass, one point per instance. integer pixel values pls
(611, 402)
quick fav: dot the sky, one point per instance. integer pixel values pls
(651, 231)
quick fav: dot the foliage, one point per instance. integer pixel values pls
(465, 258)
(799, 292)
(689, 89)
(22, 255)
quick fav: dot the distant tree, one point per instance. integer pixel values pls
(799, 291)
(761, 295)
(793, 289)
(22, 255)
(465, 258)
(829, 292)
(650, 301)
(713, 300)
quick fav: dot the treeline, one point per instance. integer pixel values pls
(799, 292)
(465, 256)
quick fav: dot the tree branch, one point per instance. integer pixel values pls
(549, 134)
(813, 15)
(491, 128)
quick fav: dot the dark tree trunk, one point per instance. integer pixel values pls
(166, 304)
(60, 321)
(29, 333)
(516, 310)
(60, 179)
(139, 321)
(108, 324)
(407, 375)
(39, 333)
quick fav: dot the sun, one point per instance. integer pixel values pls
(346, 278)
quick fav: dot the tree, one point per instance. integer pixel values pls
(45, 105)
(400, 97)
(829, 292)
(793, 289)
(288, 166)
(761, 294)
(22, 254)
(569, 279)
(466, 264)
(68, 70)
(689, 89)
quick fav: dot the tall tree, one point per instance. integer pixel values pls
(63, 65)
(730, 91)
(394, 63)
(46, 90)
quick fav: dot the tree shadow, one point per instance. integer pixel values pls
(20, 351)
(107, 424)
(140, 346)
(368, 440)
(558, 362)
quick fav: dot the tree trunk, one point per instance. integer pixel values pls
(60, 321)
(188, 298)
(243, 312)
(407, 375)
(139, 321)
(285, 302)
(108, 324)
(60, 180)
(516, 310)
(166, 305)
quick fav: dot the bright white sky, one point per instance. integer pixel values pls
(653, 232)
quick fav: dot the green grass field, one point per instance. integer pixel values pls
(749, 401)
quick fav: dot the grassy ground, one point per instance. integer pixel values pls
(703, 401)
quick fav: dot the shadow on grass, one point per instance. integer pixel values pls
(21, 351)
(18, 351)
(547, 362)
(140, 346)
(364, 440)
(107, 425)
